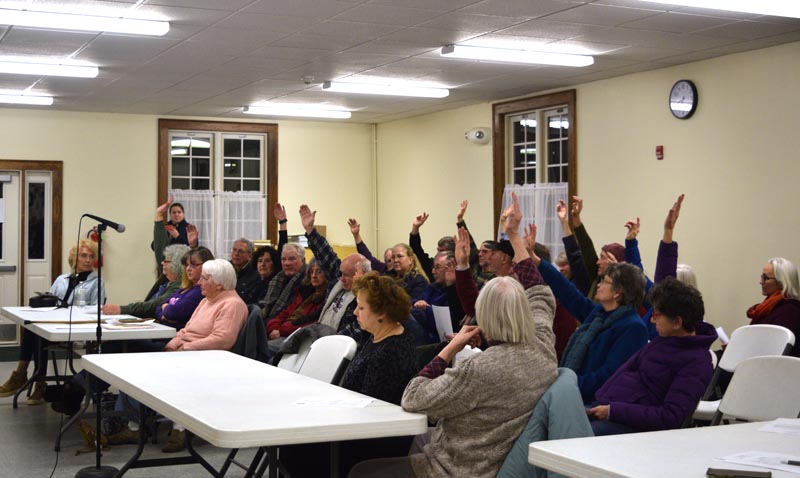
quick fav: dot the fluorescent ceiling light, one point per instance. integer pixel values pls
(504, 55)
(386, 89)
(10, 15)
(21, 98)
(778, 8)
(303, 111)
(46, 67)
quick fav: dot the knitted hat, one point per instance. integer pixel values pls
(615, 249)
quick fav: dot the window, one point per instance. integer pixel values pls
(534, 156)
(225, 175)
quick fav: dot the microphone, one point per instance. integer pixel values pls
(113, 225)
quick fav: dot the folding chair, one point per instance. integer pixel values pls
(746, 342)
(762, 388)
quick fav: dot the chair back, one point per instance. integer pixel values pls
(293, 362)
(755, 341)
(328, 358)
(714, 359)
(252, 339)
(763, 388)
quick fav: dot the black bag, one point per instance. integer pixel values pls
(45, 299)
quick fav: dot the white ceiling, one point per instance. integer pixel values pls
(220, 55)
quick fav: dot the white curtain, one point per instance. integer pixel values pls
(538, 205)
(223, 217)
(239, 214)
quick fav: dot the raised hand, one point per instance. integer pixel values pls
(633, 229)
(355, 227)
(279, 211)
(161, 211)
(307, 218)
(462, 248)
(172, 231)
(462, 210)
(561, 211)
(512, 217)
(674, 212)
(530, 240)
(577, 207)
(420, 220)
(192, 234)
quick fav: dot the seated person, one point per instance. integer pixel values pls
(381, 369)
(246, 274)
(283, 287)
(659, 387)
(483, 403)
(177, 310)
(441, 292)
(303, 310)
(266, 261)
(82, 280)
(172, 269)
(781, 305)
(611, 330)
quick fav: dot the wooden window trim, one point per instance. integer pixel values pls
(271, 130)
(499, 113)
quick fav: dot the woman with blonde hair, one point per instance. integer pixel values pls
(80, 282)
(408, 270)
(781, 305)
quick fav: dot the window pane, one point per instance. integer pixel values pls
(553, 153)
(36, 213)
(232, 147)
(233, 168)
(180, 183)
(564, 174)
(252, 169)
(519, 157)
(200, 184)
(201, 167)
(552, 175)
(180, 166)
(531, 176)
(231, 185)
(565, 151)
(252, 185)
(251, 148)
(203, 151)
(519, 176)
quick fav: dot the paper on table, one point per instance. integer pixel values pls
(788, 426)
(334, 402)
(723, 337)
(764, 459)
(443, 323)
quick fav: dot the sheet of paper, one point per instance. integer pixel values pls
(336, 403)
(764, 459)
(723, 337)
(443, 323)
(788, 426)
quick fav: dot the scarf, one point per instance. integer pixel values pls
(281, 291)
(582, 338)
(73, 281)
(763, 309)
(336, 305)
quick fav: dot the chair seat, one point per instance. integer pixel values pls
(706, 410)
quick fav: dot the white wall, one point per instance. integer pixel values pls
(110, 170)
(735, 160)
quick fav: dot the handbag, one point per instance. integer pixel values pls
(44, 299)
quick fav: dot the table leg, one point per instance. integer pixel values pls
(335, 459)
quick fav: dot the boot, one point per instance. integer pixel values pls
(89, 435)
(13, 384)
(37, 397)
(176, 442)
(126, 436)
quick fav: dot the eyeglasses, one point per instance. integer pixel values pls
(765, 278)
(240, 251)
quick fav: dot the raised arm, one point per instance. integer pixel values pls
(473, 248)
(327, 259)
(667, 260)
(355, 230)
(465, 284)
(283, 234)
(160, 235)
(584, 241)
(415, 242)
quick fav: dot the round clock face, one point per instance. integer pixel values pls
(683, 99)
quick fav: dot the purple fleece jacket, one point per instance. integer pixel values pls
(660, 385)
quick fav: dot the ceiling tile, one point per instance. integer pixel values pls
(386, 14)
(747, 30)
(266, 22)
(29, 41)
(467, 22)
(604, 15)
(316, 42)
(519, 8)
(346, 29)
(234, 41)
(544, 28)
(300, 8)
(429, 36)
(117, 50)
(677, 22)
(438, 5)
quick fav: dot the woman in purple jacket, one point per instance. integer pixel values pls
(178, 309)
(660, 385)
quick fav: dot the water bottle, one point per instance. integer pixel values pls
(80, 299)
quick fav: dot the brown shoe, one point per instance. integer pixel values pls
(37, 397)
(89, 435)
(13, 384)
(176, 442)
(126, 436)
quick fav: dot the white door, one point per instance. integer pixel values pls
(9, 250)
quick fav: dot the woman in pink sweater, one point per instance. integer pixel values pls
(219, 318)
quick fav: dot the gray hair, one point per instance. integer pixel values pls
(503, 313)
(300, 250)
(685, 274)
(248, 243)
(221, 272)
(786, 275)
(174, 254)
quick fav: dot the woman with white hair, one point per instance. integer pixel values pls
(216, 322)
(483, 403)
(781, 306)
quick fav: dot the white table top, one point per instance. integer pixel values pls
(685, 453)
(234, 402)
(55, 325)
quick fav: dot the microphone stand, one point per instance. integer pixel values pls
(98, 471)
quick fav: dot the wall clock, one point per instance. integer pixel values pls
(683, 99)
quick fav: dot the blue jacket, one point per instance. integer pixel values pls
(660, 386)
(612, 346)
